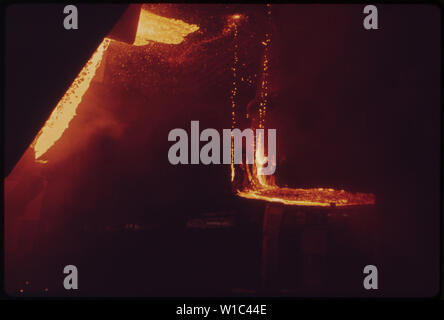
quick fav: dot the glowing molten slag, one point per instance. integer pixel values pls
(152, 27)
(65, 110)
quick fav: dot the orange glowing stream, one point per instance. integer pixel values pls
(264, 187)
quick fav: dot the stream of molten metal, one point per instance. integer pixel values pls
(264, 187)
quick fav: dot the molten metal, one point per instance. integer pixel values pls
(309, 197)
(264, 187)
(152, 27)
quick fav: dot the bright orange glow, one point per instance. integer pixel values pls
(65, 110)
(152, 27)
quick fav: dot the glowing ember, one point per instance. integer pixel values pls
(152, 27)
(65, 110)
